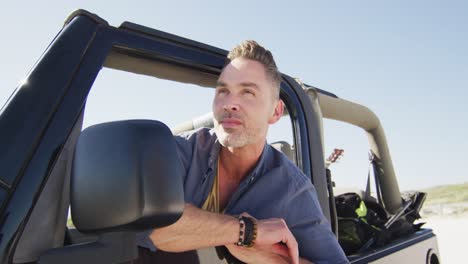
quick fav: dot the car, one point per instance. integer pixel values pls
(121, 178)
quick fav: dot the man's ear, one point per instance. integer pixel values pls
(277, 113)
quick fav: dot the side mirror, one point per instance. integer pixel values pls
(126, 176)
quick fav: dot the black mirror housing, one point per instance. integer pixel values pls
(126, 176)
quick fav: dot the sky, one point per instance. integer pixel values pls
(405, 60)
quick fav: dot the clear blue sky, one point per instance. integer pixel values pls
(406, 60)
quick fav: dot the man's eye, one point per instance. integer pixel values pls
(221, 91)
(249, 92)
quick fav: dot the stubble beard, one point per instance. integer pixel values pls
(236, 137)
(233, 139)
(250, 132)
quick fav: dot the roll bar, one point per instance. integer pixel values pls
(358, 115)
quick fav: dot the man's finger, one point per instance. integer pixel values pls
(275, 230)
(291, 243)
(280, 249)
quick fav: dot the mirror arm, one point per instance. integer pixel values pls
(116, 247)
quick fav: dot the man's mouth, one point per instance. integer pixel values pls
(230, 122)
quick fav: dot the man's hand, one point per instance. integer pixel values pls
(273, 235)
(276, 233)
(259, 254)
(276, 254)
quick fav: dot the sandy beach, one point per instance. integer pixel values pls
(452, 237)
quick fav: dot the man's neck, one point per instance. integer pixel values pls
(238, 162)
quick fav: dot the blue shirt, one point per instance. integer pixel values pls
(275, 188)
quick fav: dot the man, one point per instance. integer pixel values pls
(230, 171)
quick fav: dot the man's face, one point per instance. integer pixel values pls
(244, 104)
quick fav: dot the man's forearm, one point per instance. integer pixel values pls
(199, 229)
(196, 229)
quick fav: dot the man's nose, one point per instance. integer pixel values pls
(231, 103)
(231, 107)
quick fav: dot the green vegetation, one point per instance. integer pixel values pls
(70, 223)
(447, 194)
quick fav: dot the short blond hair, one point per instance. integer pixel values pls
(250, 49)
